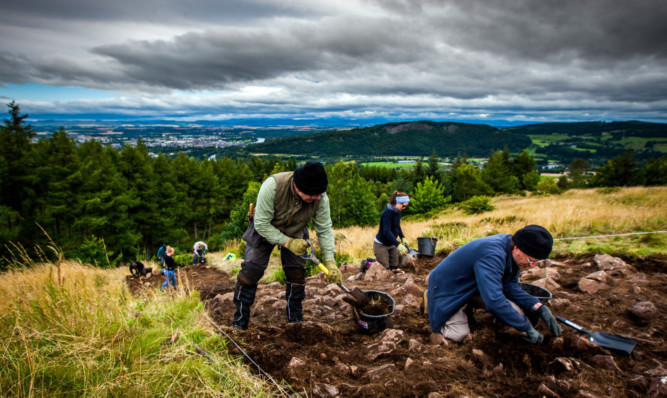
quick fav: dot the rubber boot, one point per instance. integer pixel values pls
(294, 294)
(244, 297)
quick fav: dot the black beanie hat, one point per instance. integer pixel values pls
(534, 240)
(311, 178)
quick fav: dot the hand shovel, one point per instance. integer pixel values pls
(603, 339)
(360, 298)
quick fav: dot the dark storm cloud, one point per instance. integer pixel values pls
(463, 57)
(143, 11)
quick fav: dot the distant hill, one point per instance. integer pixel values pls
(560, 143)
(596, 142)
(615, 129)
(400, 139)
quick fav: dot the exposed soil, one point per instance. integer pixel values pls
(330, 355)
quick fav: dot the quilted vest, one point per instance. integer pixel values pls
(291, 214)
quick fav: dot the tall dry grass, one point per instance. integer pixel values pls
(575, 213)
(74, 330)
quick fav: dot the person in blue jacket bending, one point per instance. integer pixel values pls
(488, 268)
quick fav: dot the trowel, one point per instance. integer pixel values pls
(360, 299)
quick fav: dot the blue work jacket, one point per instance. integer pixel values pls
(483, 266)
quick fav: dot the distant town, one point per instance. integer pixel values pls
(170, 138)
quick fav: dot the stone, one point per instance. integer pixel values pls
(553, 263)
(378, 273)
(544, 391)
(380, 349)
(347, 268)
(591, 286)
(408, 362)
(481, 357)
(606, 362)
(638, 278)
(645, 310)
(411, 302)
(606, 262)
(342, 369)
(587, 394)
(547, 283)
(559, 303)
(539, 272)
(382, 372)
(561, 365)
(295, 366)
(324, 390)
(600, 276)
(415, 346)
(393, 335)
(557, 343)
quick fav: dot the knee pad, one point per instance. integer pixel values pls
(250, 274)
(295, 275)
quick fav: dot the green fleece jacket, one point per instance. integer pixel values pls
(280, 214)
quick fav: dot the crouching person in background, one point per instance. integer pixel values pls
(138, 269)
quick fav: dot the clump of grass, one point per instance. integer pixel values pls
(81, 333)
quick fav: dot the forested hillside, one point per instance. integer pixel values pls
(561, 143)
(595, 142)
(400, 139)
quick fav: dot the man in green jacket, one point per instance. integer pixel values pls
(286, 203)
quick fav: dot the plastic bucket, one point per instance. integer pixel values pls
(540, 293)
(426, 246)
(370, 324)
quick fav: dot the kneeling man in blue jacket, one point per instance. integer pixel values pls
(489, 267)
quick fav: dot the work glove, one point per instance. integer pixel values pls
(549, 320)
(402, 249)
(297, 246)
(404, 240)
(334, 275)
(533, 336)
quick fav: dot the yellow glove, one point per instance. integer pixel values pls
(297, 246)
(334, 275)
(405, 241)
(402, 249)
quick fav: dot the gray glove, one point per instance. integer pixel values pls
(549, 320)
(533, 336)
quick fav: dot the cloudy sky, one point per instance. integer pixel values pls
(357, 60)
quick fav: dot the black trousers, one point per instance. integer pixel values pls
(257, 254)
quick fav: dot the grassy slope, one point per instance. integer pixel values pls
(76, 331)
(576, 213)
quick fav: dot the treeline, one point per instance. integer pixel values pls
(106, 206)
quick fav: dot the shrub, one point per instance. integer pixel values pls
(477, 205)
(548, 186)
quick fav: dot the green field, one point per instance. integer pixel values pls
(543, 140)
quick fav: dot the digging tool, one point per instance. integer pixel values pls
(603, 339)
(360, 298)
(251, 213)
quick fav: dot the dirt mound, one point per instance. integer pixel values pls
(329, 355)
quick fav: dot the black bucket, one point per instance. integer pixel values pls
(540, 293)
(371, 324)
(426, 246)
